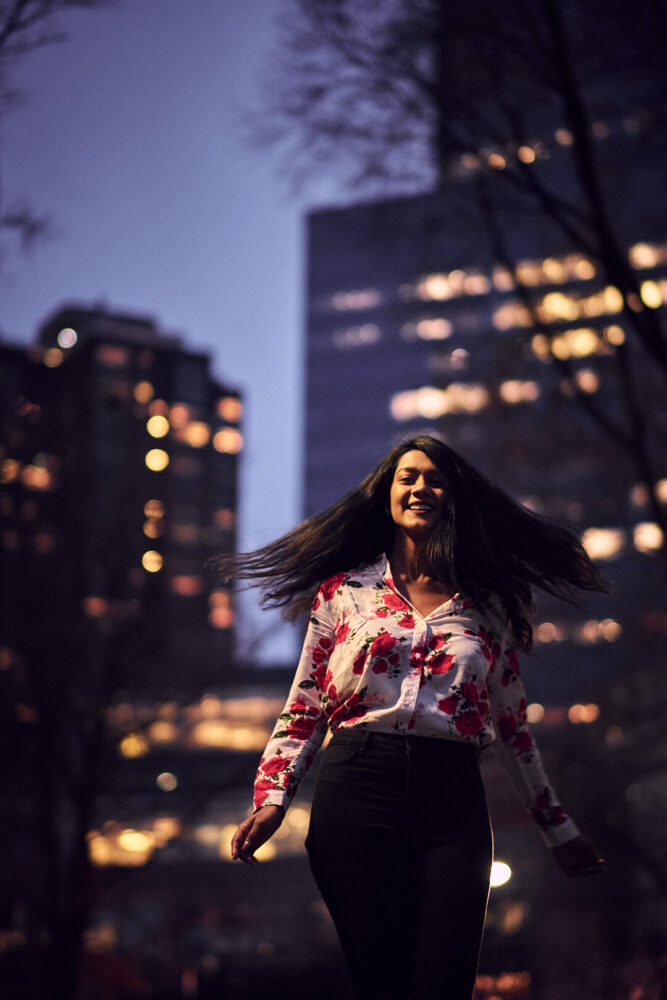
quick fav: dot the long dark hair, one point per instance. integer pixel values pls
(484, 541)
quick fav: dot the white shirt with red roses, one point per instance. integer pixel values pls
(371, 661)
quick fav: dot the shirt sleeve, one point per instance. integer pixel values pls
(520, 755)
(302, 724)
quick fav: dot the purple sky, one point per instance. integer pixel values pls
(130, 140)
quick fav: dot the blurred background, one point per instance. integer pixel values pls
(244, 248)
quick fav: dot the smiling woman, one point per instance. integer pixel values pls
(419, 587)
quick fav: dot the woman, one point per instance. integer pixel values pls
(424, 576)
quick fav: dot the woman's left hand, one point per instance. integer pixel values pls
(578, 857)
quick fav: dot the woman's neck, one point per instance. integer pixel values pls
(408, 557)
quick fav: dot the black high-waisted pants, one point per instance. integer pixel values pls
(400, 846)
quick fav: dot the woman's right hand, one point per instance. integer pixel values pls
(254, 832)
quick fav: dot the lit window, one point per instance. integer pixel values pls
(53, 357)
(95, 607)
(651, 294)
(587, 380)
(186, 586)
(496, 161)
(158, 407)
(512, 314)
(639, 495)
(643, 255)
(600, 130)
(516, 391)
(35, 477)
(224, 518)
(554, 270)
(167, 781)
(10, 470)
(648, 537)
(112, 355)
(366, 298)
(134, 745)
(221, 614)
(152, 561)
(430, 402)
(548, 632)
(583, 713)
(435, 286)
(503, 279)
(526, 154)
(197, 434)
(535, 713)
(615, 335)
(427, 329)
(184, 533)
(470, 161)
(228, 441)
(157, 426)
(564, 137)
(230, 409)
(180, 414)
(67, 338)
(541, 346)
(661, 490)
(154, 508)
(143, 392)
(356, 336)
(153, 529)
(603, 543)
(157, 459)
(162, 731)
(529, 272)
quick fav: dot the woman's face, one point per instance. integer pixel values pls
(417, 494)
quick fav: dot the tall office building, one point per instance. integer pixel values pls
(119, 478)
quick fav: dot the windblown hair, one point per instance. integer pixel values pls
(484, 541)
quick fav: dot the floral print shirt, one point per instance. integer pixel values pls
(371, 660)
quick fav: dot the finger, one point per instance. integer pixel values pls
(240, 837)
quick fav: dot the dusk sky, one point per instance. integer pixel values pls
(130, 140)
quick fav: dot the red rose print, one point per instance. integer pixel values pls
(319, 674)
(350, 709)
(358, 662)
(522, 742)
(437, 642)
(506, 727)
(320, 655)
(328, 678)
(448, 705)
(382, 613)
(342, 633)
(394, 658)
(395, 602)
(332, 693)
(330, 586)
(468, 724)
(316, 603)
(382, 644)
(301, 729)
(521, 710)
(298, 705)
(441, 663)
(259, 799)
(407, 622)
(513, 661)
(380, 667)
(470, 692)
(274, 765)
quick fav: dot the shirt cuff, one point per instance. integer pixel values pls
(273, 798)
(555, 835)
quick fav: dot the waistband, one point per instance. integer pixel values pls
(400, 742)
